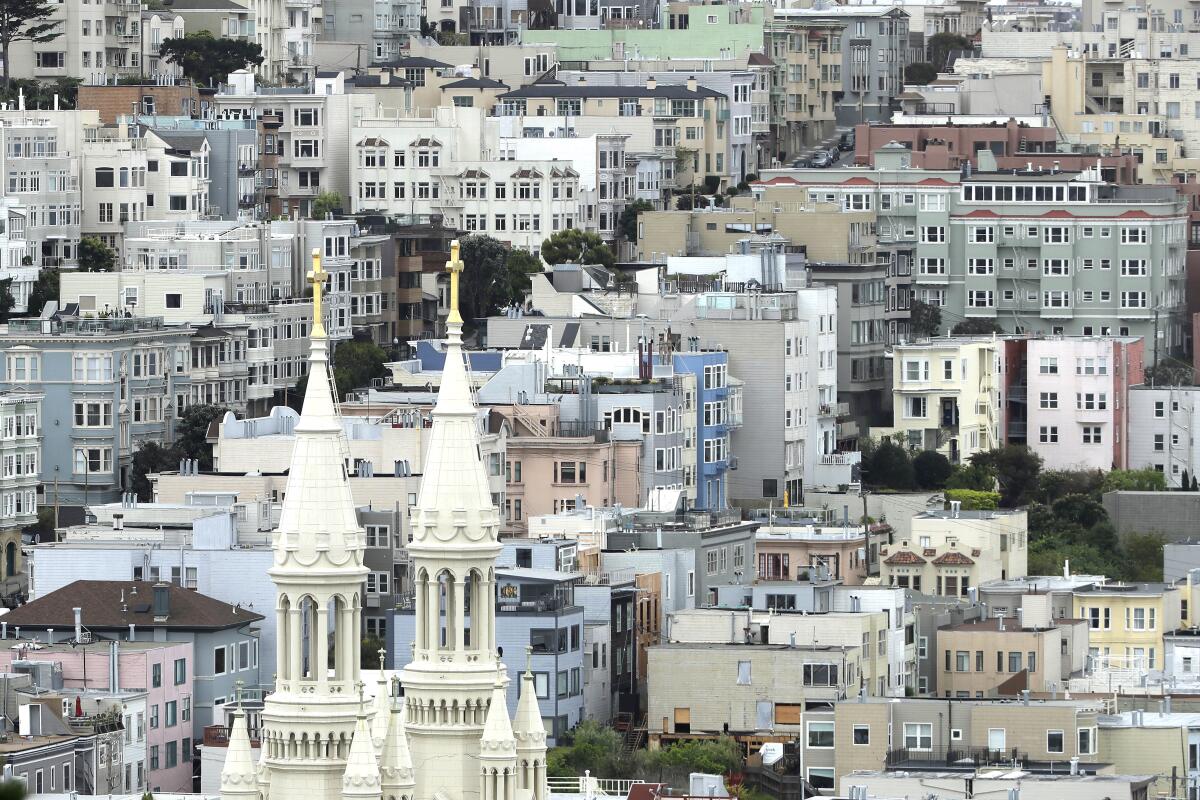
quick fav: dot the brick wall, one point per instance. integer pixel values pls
(113, 101)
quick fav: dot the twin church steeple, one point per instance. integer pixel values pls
(449, 736)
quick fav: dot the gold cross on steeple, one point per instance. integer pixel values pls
(455, 268)
(316, 276)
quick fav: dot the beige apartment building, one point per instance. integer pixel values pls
(830, 552)
(807, 53)
(828, 233)
(948, 553)
(995, 656)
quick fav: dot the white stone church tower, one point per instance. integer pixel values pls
(450, 736)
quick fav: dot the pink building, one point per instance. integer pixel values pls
(161, 669)
(1078, 398)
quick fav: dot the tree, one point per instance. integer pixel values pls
(1185, 483)
(1133, 480)
(890, 467)
(1143, 556)
(976, 327)
(941, 45)
(1053, 484)
(931, 469)
(1016, 468)
(514, 283)
(7, 301)
(206, 59)
(1079, 509)
(149, 458)
(191, 433)
(45, 289)
(1195, 484)
(972, 476)
(356, 364)
(484, 263)
(922, 73)
(685, 202)
(573, 246)
(41, 94)
(25, 21)
(924, 319)
(369, 647)
(95, 255)
(1169, 372)
(627, 224)
(326, 203)
(973, 500)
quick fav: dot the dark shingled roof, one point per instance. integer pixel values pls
(676, 92)
(476, 83)
(416, 62)
(102, 608)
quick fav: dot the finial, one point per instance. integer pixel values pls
(316, 277)
(499, 674)
(237, 693)
(361, 689)
(382, 654)
(455, 267)
(528, 659)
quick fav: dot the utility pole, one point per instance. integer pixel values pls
(1155, 366)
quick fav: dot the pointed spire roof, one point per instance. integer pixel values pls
(396, 765)
(318, 511)
(383, 712)
(455, 508)
(497, 740)
(528, 729)
(361, 779)
(238, 776)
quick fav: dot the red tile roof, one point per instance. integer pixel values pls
(953, 559)
(904, 557)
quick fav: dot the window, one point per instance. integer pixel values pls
(93, 414)
(918, 735)
(1054, 741)
(743, 674)
(1091, 434)
(820, 734)
(861, 734)
(1048, 366)
(820, 674)
(156, 675)
(1049, 400)
(220, 666)
(1048, 434)
(171, 714)
(1087, 741)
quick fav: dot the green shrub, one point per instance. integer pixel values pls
(974, 500)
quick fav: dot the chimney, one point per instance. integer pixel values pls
(691, 83)
(162, 602)
(1075, 765)
(50, 636)
(1025, 697)
(132, 632)
(651, 83)
(78, 624)
(1167, 704)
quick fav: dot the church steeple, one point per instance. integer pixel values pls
(455, 528)
(309, 721)
(497, 749)
(361, 779)
(396, 763)
(530, 734)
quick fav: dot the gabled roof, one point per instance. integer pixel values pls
(373, 141)
(904, 557)
(419, 62)
(104, 609)
(425, 142)
(476, 83)
(953, 558)
(527, 173)
(473, 173)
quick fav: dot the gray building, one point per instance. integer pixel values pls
(931, 613)
(864, 374)
(1180, 558)
(722, 543)
(1174, 515)
(90, 373)
(539, 625)
(232, 161)
(224, 637)
(381, 30)
(875, 51)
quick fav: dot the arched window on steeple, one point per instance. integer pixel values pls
(445, 639)
(308, 638)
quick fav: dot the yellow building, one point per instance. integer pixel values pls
(946, 396)
(1126, 622)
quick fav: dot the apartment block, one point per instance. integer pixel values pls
(995, 656)
(946, 396)
(1127, 622)
(1161, 421)
(93, 373)
(805, 51)
(949, 553)
(20, 478)
(1078, 399)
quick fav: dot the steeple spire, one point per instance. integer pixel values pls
(383, 708)
(396, 763)
(530, 734)
(361, 780)
(238, 777)
(316, 277)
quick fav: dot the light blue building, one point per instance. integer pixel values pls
(108, 386)
(535, 608)
(717, 413)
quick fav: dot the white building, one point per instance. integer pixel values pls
(451, 736)
(1161, 424)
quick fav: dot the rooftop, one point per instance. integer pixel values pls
(992, 625)
(109, 605)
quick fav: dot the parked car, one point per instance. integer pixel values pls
(847, 141)
(820, 159)
(801, 163)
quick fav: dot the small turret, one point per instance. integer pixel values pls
(497, 748)
(361, 779)
(383, 709)
(396, 763)
(530, 734)
(239, 779)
